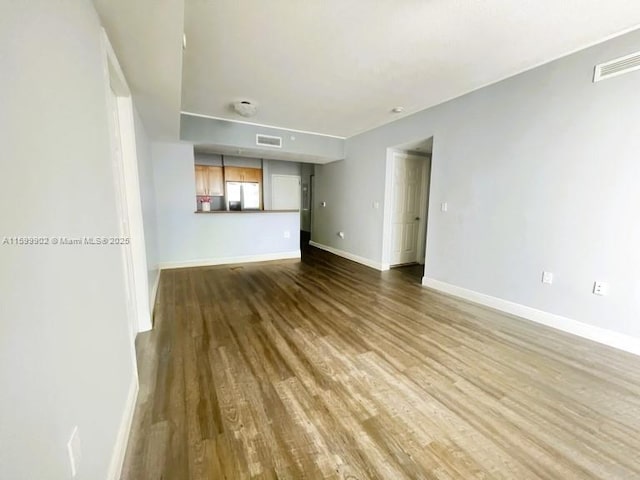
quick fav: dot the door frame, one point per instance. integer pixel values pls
(387, 225)
(115, 81)
(312, 181)
(424, 211)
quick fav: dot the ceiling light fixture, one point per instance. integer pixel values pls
(398, 109)
(244, 108)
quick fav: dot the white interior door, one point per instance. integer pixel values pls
(285, 192)
(406, 211)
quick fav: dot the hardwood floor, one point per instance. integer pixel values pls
(327, 369)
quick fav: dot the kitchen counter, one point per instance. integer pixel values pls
(247, 211)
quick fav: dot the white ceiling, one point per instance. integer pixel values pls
(338, 67)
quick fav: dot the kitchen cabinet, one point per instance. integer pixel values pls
(241, 174)
(252, 175)
(233, 174)
(201, 180)
(216, 182)
(209, 181)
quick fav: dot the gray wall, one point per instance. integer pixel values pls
(212, 159)
(65, 356)
(216, 160)
(185, 237)
(295, 145)
(244, 162)
(148, 200)
(540, 172)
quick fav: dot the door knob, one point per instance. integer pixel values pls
(417, 218)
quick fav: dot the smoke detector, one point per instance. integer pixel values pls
(245, 108)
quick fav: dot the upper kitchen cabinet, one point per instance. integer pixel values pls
(216, 181)
(243, 174)
(252, 175)
(201, 180)
(209, 181)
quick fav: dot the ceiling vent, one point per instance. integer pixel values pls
(616, 67)
(268, 141)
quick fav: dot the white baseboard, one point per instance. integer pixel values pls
(207, 262)
(120, 448)
(591, 332)
(350, 256)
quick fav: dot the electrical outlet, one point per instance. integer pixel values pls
(341, 235)
(600, 288)
(287, 234)
(444, 206)
(547, 277)
(75, 454)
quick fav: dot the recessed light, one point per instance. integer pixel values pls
(398, 109)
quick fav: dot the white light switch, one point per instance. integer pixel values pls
(600, 288)
(376, 205)
(444, 207)
(547, 277)
(323, 204)
(287, 234)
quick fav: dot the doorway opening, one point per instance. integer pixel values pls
(306, 212)
(408, 179)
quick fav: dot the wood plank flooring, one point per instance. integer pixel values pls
(325, 369)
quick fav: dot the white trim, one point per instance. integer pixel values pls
(424, 209)
(127, 159)
(120, 447)
(134, 206)
(154, 293)
(350, 256)
(584, 330)
(200, 115)
(206, 262)
(387, 207)
(115, 76)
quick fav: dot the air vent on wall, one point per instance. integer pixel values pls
(616, 67)
(268, 141)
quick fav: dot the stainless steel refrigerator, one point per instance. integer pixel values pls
(243, 196)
